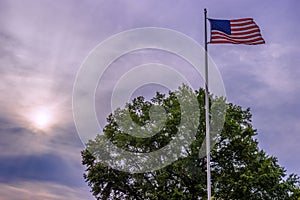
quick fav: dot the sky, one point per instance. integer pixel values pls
(43, 44)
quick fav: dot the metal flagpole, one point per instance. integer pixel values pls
(207, 110)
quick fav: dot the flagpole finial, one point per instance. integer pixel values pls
(205, 10)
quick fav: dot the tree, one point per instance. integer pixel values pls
(240, 170)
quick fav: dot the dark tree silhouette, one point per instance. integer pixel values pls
(240, 170)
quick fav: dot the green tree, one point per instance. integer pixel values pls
(240, 170)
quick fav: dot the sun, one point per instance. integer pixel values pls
(41, 118)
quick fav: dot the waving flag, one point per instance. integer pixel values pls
(235, 31)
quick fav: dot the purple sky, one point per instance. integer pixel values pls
(43, 43)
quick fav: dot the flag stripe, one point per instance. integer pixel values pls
(245, 32)
(229, 42)
(241, 28)
(242, 19)
(222, 35)
(240, 41)
(242, 31)
(241, 24)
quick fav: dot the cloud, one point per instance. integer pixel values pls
(20, 141)
(42, 44)
(38, 190)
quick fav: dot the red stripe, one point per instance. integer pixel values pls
(246, 32)
(256, 33)
(225, 36)
(240, 42)
(242, 37)
(232, 42)
(242, 24)
(244, 28)
(258, 40)
(261, 42)
(228, 42)
(240, 20)
(220, 41)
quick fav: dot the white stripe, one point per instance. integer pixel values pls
(244, 26)
(215, 32)
(247, 27)
(243, 31)
(241, 21)
(235, 39)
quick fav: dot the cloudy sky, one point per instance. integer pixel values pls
(44, 42)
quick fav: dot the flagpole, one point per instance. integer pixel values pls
(207, 111)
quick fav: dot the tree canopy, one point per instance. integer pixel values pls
(240, 170)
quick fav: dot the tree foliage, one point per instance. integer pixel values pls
(240, 170)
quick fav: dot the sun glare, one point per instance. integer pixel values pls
(41, 118)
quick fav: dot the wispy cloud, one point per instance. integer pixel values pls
(43, 43)
(42, 190)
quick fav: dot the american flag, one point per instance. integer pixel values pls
(235, 31)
